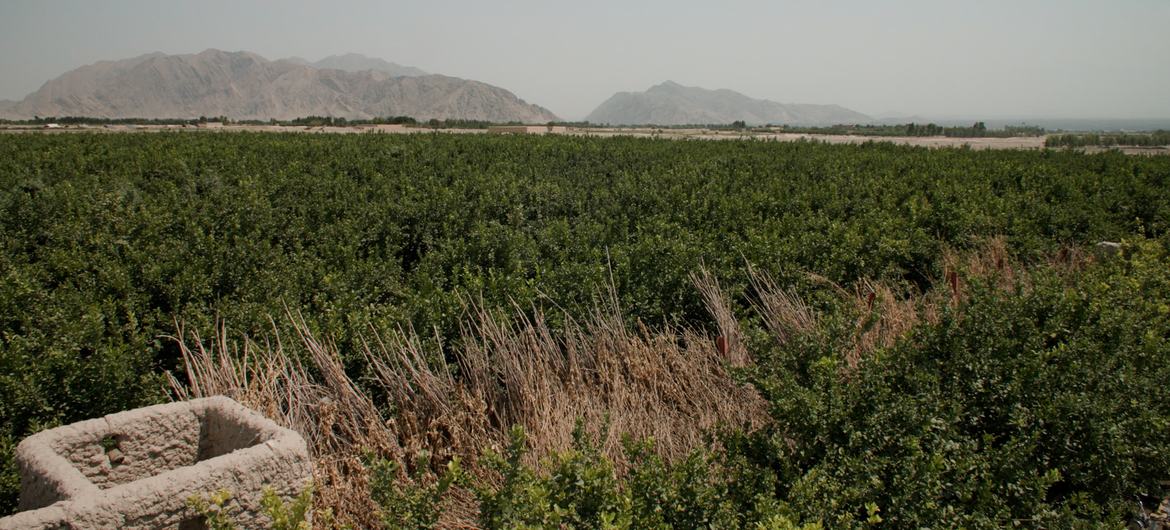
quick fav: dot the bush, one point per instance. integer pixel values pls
(412, 504)
(1043, 406)
(291, 515)
(579, 488)
(107, 240)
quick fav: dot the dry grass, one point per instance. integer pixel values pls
(991, 261)
(885, 313)
(884, 317)
(302, 386)
(669, 384)
(673, 385)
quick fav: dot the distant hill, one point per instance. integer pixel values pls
(670, 103)
(354, 62)
(243, 85)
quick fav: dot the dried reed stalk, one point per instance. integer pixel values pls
(670, 385)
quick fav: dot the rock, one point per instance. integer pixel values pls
(164, 455)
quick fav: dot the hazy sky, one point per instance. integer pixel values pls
(937, 58)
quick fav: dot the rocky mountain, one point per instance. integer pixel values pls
(670, 103)
(243, 85)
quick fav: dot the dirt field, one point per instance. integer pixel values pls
(1035, 142)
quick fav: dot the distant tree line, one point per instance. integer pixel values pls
(80, 120)
(466, 124)
(976, 130)
(307, 121)
(322, 121)
(1152, 139)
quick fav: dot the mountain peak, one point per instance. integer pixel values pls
(669, 103)
(244, 85)
(214, 52)
(667, 85)
(349, 55)
(356, 62)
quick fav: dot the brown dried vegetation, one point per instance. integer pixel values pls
(670, 384)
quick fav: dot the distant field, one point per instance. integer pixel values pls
(1021, 142)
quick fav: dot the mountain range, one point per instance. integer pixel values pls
(246, 86)
(670, 103)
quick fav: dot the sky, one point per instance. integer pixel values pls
(938, 58)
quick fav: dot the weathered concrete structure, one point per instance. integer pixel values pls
(136, 469)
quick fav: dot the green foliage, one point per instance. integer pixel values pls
(293, 515)
(976, 130)
(688, 494)
(1043, 407)
(1152, 139)
(106, 240)
(582, 488)
(780, 522)
(213, 509)
(579, 489)
(413, 504)
(522, 499)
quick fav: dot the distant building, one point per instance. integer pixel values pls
(526, 129)
(211, 125)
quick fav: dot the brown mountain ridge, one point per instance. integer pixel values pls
(670, 103)
(245, 86)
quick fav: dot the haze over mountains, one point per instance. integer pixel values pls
(670, 103)
(244, 85)
(356, 62)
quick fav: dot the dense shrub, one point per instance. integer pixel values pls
(1152, 139)
(106, 240)
(1036, 403)
(1040, 406)
(413, 503)
(579, 488)
(214, 510)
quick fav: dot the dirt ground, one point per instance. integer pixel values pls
(1035, 142)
